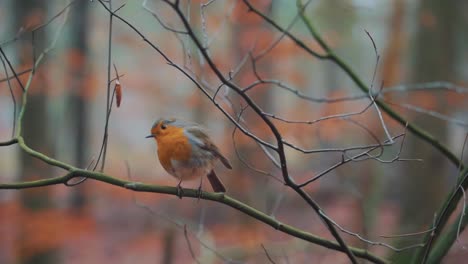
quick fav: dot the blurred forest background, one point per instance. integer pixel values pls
(417, 41)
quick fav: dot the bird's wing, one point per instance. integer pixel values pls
(197, 136)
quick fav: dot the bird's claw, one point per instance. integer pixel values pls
(180, 191)
(199, 193)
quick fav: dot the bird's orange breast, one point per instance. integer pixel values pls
(174, 146)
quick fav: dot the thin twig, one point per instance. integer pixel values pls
(284, 31)
(217, 32)
(427, 86)
(310, 122)
(379, 145)
(18, 73)
(20, 33)
(241, 158)
(431, 113)
(12, 97)
(103, 151)
(12, 70)
(264, 52)
(371, 91)
(371, 88)
(83, 179)
(370, 242)
(267, 255)
(192, 253)
(160, 21)
(342, 162)
(408, 234)
(462, 214)
(30, 79)
(342, 150)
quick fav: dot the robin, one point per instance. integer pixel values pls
(186, 152)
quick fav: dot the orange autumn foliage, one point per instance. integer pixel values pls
(424, 99)
(75, 59)
(145, 242)
(455, 98)
(250, 234)
(392, 54)
(44, 230)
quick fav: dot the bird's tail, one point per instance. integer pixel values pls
(216, 182)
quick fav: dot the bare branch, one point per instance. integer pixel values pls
(203, 7)
(342, 162)
(408, 234)
(373, 243)
(241, 158)
(12, 70)
(310, 122)
(283, 31)
(264, 52)
(9, 142)
(431, 113)
(160, 21)
(13, 99)
(13, 77)
(22, 31)
(103, 151)
(427, 86)
(301, 95)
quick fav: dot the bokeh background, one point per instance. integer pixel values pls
(417, 41)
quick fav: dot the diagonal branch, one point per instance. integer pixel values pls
(280, 147)
(419, 132)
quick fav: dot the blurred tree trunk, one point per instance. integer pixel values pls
(424, 185)
(35, 132)
(78, 65)
(169, 244)
(392, 55)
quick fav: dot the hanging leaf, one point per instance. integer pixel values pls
(118, 92)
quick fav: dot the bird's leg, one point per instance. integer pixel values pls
(180, 191)
(200, 189)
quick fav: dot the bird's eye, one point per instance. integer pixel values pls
(163, 126)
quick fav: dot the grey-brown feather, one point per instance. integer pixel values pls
(201, 140)
(216, 182)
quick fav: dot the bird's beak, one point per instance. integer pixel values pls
(150, 136)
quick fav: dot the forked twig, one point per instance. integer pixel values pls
(12, 96)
